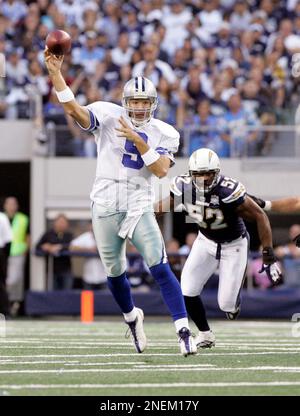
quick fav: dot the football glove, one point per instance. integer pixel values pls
(270, 266)
(297, 240)
(260, 202)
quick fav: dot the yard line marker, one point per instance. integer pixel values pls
(149, 385)
(142, 368)
(11, 362)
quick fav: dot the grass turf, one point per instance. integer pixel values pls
(70, 358)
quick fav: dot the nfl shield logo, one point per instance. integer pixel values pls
(214, 200)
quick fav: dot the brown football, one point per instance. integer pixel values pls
(58, 42)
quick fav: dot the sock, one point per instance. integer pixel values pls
(120, 289)
(181, 323)
(131, 316)
(197, 312)
(170, 289)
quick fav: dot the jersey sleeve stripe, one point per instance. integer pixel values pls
(239, 192)
(94, 123)
(165, 152)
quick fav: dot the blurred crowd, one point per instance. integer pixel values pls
(223, 67)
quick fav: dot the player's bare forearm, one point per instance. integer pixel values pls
(72, 108)
(53, 64)
(286, 205)
(250, 211)
(161, 167)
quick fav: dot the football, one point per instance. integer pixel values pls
(58, 42)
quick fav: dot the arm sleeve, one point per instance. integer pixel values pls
(94, 123)
(97, 110)
(169, 142)
(236, 196)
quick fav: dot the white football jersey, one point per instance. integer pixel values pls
(123, 182)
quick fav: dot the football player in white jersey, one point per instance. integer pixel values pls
(132, 147)
(218, 205)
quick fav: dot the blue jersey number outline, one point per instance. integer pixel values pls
(127, 160)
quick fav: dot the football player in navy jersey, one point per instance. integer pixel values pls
(218, 204)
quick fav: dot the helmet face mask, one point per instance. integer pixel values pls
(204, 168)
(205, 180)
(139, 100)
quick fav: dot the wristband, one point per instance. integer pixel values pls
(65, 95)
(268, 255)
(150, 157)
(268, 206)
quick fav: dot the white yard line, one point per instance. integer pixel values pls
(12, 362)
(209, 353)
(138, 368)
(149, 385)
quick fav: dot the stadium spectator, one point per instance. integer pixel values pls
(206, 132)
(175, 19)
(238, 140)
(90, 54)
(18, 252)
(54, 242)
(210, 17)
(122, 53)
(93, 276)
(153, 68)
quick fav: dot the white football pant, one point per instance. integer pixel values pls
(202, 263)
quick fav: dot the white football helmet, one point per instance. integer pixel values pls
(139, 88)
(205, 161)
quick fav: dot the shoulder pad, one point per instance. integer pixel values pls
(178, 182)
(238, 192)
(166, 129)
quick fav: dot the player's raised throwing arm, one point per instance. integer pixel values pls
(64, 94)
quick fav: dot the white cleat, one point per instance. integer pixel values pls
(205, 339)
(186, 342)
(136, 332)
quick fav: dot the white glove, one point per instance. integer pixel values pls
(273, 272)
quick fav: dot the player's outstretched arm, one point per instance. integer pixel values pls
(284, 205)
(156, 163)
(250, 211)
(65, 95)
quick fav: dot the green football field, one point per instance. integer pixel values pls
(55, 357)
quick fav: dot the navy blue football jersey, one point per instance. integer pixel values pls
(213, 211)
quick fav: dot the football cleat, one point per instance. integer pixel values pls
(186, 342)
(205, 339)
(136, 332)
(233, 315)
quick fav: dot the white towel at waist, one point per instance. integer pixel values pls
(129, 223)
